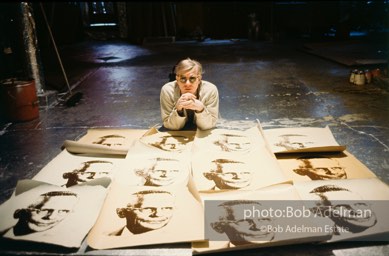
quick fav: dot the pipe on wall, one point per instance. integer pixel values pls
(31, 48)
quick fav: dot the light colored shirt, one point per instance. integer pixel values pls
(207, 93)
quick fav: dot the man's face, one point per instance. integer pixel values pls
(349, 210)
(233, 176)
(243, 230)
(327, 169)
(296, 142)
(95, 171)
(322, 169)
(189, 81)
(172, 144)
(238, 143)
(113, 142)
(164, 173)
(51, 213)
(155, 211)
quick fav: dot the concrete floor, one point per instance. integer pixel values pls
(277, 83)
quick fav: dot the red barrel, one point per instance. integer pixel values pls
(19, 99)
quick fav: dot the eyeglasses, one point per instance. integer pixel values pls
(191, 79)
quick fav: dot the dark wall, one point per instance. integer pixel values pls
(189, 16)
(11, 43)
(214, 19)
(277, 19)
(150, 19)
(65, 21)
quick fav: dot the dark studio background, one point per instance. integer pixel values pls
(140, 22)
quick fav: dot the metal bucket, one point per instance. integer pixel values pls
(19, 99)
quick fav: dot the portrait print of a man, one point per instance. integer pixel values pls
(168, 142)
(147, 210)
(162, 171)
(229, 174)
(46, 212)
(50, 214)
(345, 208)
(320, 168)
(240, 229)
(294, 141)
(229, 142)
(112, 140)
(145, 215)
(88, 171)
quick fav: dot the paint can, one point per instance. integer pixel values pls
(352, 75)
(19, 99)
(360, 78)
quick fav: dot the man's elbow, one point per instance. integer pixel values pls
(171, 126)
(206, 125)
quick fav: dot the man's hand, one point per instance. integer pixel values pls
(189, 101)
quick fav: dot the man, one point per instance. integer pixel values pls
(233, 143)
(48, 210)
(294, 141)
(229, 174)
(88, 171)
(189, 102)
(320, 168)
(162, 172)
(112, 140)
(167, 142)
(240, 229)
(146, 211)
(345, 208)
